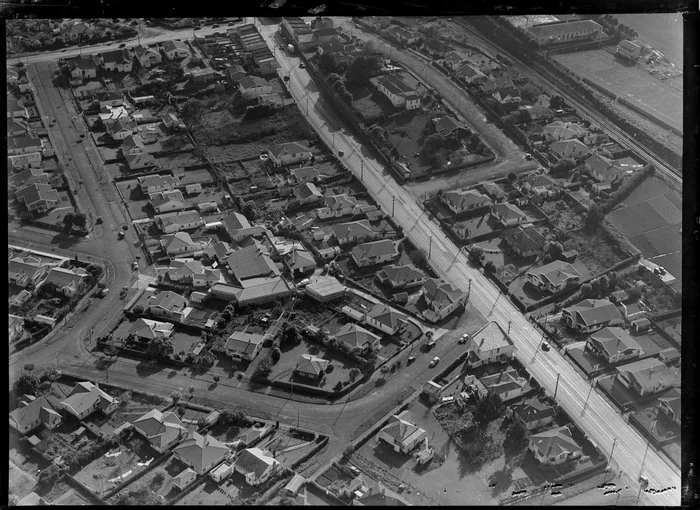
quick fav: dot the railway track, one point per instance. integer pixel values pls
(587, 110)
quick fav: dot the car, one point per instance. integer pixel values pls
(282, 47)
(528, 157)
(434, 361)
(464, 339)
(101, 285)
(125, 227)
(431, 344)
(410, 360)
(120, 235)
(341, 153)
(99, 220)
(545, 346)
(302, 65)
(304, 282)
(215, 26)
(103, 292)
(122, 45)
(264, 157)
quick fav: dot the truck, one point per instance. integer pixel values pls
(290, 48)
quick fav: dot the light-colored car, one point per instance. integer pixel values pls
(464, 339)
(304, 282)
(103, 292)
(434, 361)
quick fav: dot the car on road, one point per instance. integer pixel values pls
(120, 235)
(431, 344)
(215, 26)
(528, 157)
(341, 153)
(125, 227)
(545, 346)
(99, 220)
(101, 285)
(410, 360)
(302, 65)
(122, 45)
(304, 282)
(434, 361)
(103, 292)
(464, 339)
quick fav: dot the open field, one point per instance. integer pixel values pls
(406, 133)
(661, 98)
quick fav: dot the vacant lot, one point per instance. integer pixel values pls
(369, 102)
(104, 473)
(158, 483)
(406, 131)
(212, 494)
(20, 483)
(288, 446)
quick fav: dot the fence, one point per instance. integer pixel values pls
(138, 475)
(322, 444)
(76, 484)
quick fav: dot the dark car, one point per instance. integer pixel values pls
(545, 346)
(125, 227)
(302, 65)
(99, 220)
(122, 45)
(410, 360)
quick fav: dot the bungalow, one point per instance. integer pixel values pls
(251, 262)
(146, 56)
(169, 305)
(304, 174)
(161, 429)
(442, 298)
(38, 412)
(670, 407)
(525, 242)
(435, 48)
(357, 338)
(572, 148)
(470, 74)
(172, 122)
(175, 50)
(539, 184)
(310, 367)
(28, 176)
(507, 384)
(559, 130)
(353, 232)
(17, 145)
(176, 221)
(256, 466)
(300, 262)
(82, 68)
(86, 398)
(502, 89)
(120, 129)
(614, 345)
(375, 252)
(15, 323)
(447, 125)
(67, 281)
(602, 169)
(647, 376)
(590, 315)
(337, 206)
(401, 434)
(192, 272)
(289, 153)
(243, 346)
(24, 272)
(397, 91)
(179, 243)
(399, 277)
(508, 214)
(168, 201)
(17, 126)
(490, 345)
(553, 277)
(453, 60)
(117, 60)
(133, 145)
(532, 413)
(140, 161)
(253, 86)
(201, 453)
(234, 223)
(184, 478)
(555, 446)
(14, 109)
(258, 291)
(307, 193)
(462, 201)
(402, 35)
(385, 319)
(78, 31)
(146, 329)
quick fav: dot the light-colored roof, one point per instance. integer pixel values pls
(355, 336)
(572, 148)
(235, 221)
(84, 396)
(441, 292)
(556, 272)
(614, 340)
(63, 277)
(341, 201)
(289, 148)
(491, 337)
(594, 311)
(179, 218)
(254, 461)
(160, 428)
(39, 408)
(466, 198)
(177, 240)
(307, 190)
(648, 372)
(310, 364)
(150, 329)
(199, 451)
(375, 249)
(386, 315)
(508, 211)
(526, 239)
(37, 192)
(402, 431)
(250, 262)
(352, 229)
(168, 300)
(242, 342)
(557, 29)
(553, 442)
(249, 81)
(532, 410)
(403, 273)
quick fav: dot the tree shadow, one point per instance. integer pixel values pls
(147, 368)
(500, 480)
(172, 373)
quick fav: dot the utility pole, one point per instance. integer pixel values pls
(611, 453)
(362, 169)
(589, 394)
(509, 322)
(641, 470)
(393, 203)
(557, 386)
(430, 247)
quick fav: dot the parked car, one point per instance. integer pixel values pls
(120, 235)
(302, 65)
(545, 346)
(464, 339)
(431, 344)
(122, 45)
(103, 292)
(304, 282)
(410, 360)
(99, 220)
(125, 227)
(434, 361)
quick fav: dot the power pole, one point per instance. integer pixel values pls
(557, 386)
(589, 394)
(430, 247)
(362, 169)
(393, 203)
(509, 322)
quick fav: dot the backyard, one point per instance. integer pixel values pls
(406, 132)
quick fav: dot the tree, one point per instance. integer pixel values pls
(490, 266)
(476, 254)
(604, 284)
(530, 93)
(95, 270)
(50, 475)
(232, 417)
(276, 354)
(516, 437)
(327, 63)
(354, 373)
(29, 367)
(159, 348)
(80, 220)
(562, 166)
(263, 370)
(362, 69)
(488, 409)
(593, 218)
(586, 290)
(67, 223)
(555, 250)
(557, 103)
(634, 293)
(27, 384)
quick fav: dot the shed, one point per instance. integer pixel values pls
(569, 255)
(294, 485)
(197, 297)
(191, 189)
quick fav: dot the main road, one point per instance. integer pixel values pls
(602, 423)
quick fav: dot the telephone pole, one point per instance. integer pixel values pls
(362, 169)
(557, 386)
(393, 203)
(430, 247)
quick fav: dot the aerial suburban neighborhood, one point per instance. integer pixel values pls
(334, 260)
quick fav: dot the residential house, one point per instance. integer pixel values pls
(553, 277)
(310, 367)
(151, 184)
(140, 161)
(670, 407)
(192, 272)
(15, 323)
(532, 413)
(374, 252)
(648, 376)
(470, 74)
(201, 453)
(146, 56)
(82, 68)
(385, 319)
(630, 50)
(169, 305)
(117, 60)
(67, 281)
(25, 163)
(172, 122)
(491, 344)
(234, 223)
(572, 148)
(38, 412)
(175, 50)
(401, 434)
(604, 170)
(555, 446)
(508, 214)
(559, 130)
(357, 338)
(147, 329)
(256, 466)
(176, 221)
(394, 87)
(337, 206)
(436, 49)
(244, 346)
(78, 31)
(453, 60)
(133, 145)
(234, 73)
(540, 185)
(17, 145)
(14, 109)
(502, 89)
(307, 193)
(467, 200)
(402, 35)
(325, 34)
(251, 262)
(120, 129)
(447, 125)
(525, 242)
(180, 243)
(590, 315)
(24, 272)
(289, 153)
(442, 298)
(399, 277)
(184, 478)
(507, 384)
(304, 174)
(300, 262)
(353, 232)
(87, 398)
(294, 485)
(168, 201)
(570, 31)
(614, 345)
(17, 126)
(161, 429)
(253, 86)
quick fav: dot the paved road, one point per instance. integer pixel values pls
(598, 419)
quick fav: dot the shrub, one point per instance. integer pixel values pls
(27, 383)
(276, 355)
(330, 368)
(354, 373)
(338, 386)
